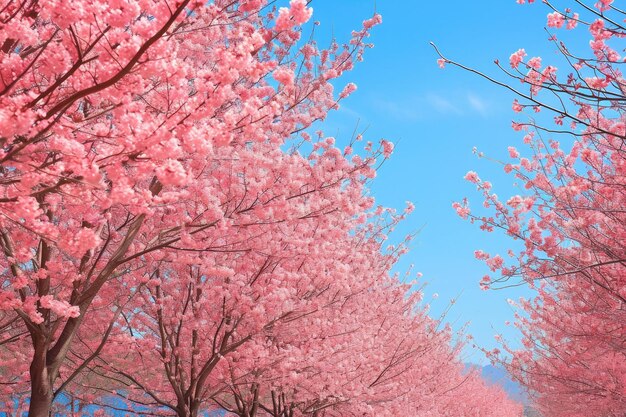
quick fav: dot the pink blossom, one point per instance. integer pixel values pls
(495, 262)
(529, 138)
(603, 5)
(513, 152)
(612, 55)
(517, 57)
(517, 126)
(462, 210)
(598, 30)
(514, 201)
(373, 21)
(387, 148)
(60, 308)
(347, 90)
(534, 62)
(30, 308)
(296, 14)
(597, 83)
(485, 282)
(549, 73)
(301, 13)
(472, 176)
(27, 208)
(250, 5)
(441, 62)
(84, 240)
(572, 22)
(284, 76)
(555, 20)
(171, 172)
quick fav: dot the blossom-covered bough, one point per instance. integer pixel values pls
(162, 253)
(570, 219)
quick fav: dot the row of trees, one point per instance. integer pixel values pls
(175, 242)
(570, 218)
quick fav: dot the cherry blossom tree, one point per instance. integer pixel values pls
(306, 319)
(113, 118)
(570, 219)
(283, 252)
(405, 365)
(222, 325)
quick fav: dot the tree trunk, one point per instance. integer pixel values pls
(184, 410)
(41, 384)
(186, 413)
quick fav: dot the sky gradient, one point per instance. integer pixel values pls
(436, 117)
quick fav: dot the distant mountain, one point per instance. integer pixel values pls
(497, 375)
(531, 412)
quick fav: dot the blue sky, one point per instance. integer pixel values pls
(436, 117)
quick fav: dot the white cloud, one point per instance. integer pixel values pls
(399, 110)
(410, 109)
(478, 104)
(442, 104)
(349, 112)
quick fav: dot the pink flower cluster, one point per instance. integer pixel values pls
(60, 308)
(296, 14)
(472, 177)
(556, 20)
(377, 19)
(517, 57)
(387, 148)
(604, 5)
(347, 90)
(284, 76)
